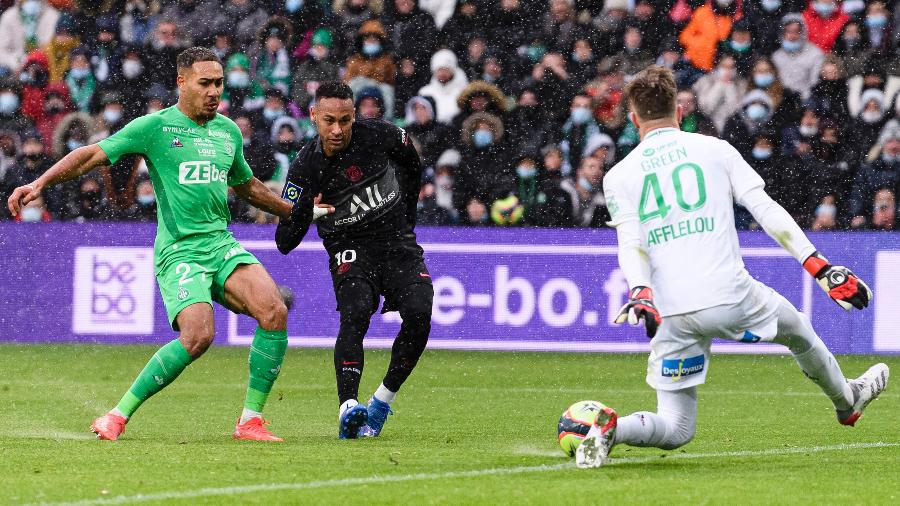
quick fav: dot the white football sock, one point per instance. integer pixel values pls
(347, 405)
(672, 426)
(248, 414)
(384, 395)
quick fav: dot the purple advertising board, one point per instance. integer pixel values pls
(495, 289)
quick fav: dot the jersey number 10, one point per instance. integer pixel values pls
(651, 192)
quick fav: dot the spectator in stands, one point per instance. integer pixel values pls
(824, 21)
(59, 50)
(428, 210)
(765, 19)
(10, 147)
(275, 106)
(136, 22)
(161, 50)
(420, 123)
(755, 114)
(869, 122)
(412, 75)
(25, 27)
(105, 52)
(873, 77)
(34, 78)
(825, 216)
(484, 170)
(798, 61)
(853, 47)
(257, 148)
(242, 19)
(586, 194)
(369, 103)
(508, 29)
(11, 117)
(609, 25)
(882, 172)
(447, 82)
(559, 27)
(710, 24)
(833, 169)
(111, 116)
(56, 107)
(194, 18)
(554, 86)
(479, 96)
(526, 184)
(526, 127)
(797, 137)
(90, 203)
(740, 46)
(271, 64)
(31, 163)
(634, 57)
(34, 212)
(476, 213)
(653, 24)
(304, 16)
(80, 79)
(241, 91)
(372, 58)
(144, 207)
(444, 169)
(829, 95)
(878, 25)
(412, 29)
(316, 68)
(132, 78)
(719, 93)
(463, 25)
(73, 131)
(577, 129)
(692, 120)
(351, 14)
(286, 137)
(786, 102)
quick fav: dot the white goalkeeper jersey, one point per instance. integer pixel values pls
(678, 189)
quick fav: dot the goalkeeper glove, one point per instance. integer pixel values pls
(640, 306)
(839, 282)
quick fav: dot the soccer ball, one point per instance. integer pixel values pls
(507, 211)
(575, 423)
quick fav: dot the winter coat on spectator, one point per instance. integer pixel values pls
(574, 139)
(824, 31)
(786, 103)
(507, 30)
(829, 98)
(59, 50)
(33, 91)
(870, 178)
(698, 123)
(272, 69)
(445, 94)
(709, 25)
(194, 18)
(434, 136)
(249, 97)
(307, 17)
(460, 28)
(307, 77)
(416, 32)
(588, 208)
(527, 129)
(440, 10)
(854, 56)
(380, 67)
(21, 33)
(718, 99)
(767, 24)
(349, 20)
(496, 102)
(654, 29)
(740, 128)
(260, 156)
(553, 206)
(856, 90)
(832, 174)
(161, 61)
(799, 70)
(62, 133)
(50, 118)
(559, 34)
(14, 120)
(27, 170)
(241, 21)
(484, 173)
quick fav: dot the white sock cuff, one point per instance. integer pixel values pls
(384, 395)
(347, 405)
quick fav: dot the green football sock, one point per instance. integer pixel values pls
(165, 365)
(266, 355)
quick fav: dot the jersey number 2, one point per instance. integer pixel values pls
(651, 193)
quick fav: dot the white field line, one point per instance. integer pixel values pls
(475, 473)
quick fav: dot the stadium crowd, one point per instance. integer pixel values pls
(515, 105)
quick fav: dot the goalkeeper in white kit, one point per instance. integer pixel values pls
(672, 203)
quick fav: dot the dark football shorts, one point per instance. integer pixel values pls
(389, 269)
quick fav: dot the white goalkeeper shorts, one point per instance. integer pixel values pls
(679, 354)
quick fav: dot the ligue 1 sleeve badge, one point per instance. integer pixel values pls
(292, 192)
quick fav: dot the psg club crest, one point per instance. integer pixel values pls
(353, 173)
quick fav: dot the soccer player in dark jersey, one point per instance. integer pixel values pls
(370, 172)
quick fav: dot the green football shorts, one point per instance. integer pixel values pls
(195, 269)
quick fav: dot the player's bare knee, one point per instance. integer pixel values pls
(272, 315)
(197, 340)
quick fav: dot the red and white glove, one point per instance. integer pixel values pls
(839, 282)
(640, 307)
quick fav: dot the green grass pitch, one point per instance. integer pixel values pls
(469, 428)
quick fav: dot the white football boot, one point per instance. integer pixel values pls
(866, 389)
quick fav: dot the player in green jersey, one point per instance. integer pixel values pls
(193, 155)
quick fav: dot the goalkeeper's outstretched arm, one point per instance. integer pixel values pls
(844, 287)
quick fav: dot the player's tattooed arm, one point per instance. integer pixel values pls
(258, 194)
(73, 165)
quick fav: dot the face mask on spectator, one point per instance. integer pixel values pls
(53, 108)
(112, 116)
(34, 157)
(889, 158)
(293, 5)
(146, 200)
(238, 79)
(32, 214)
(824, 9)
(876, 21)
(318, 53)
(826, 211)
(79, 73)
(871, 116)
(851, 41)
(771, 5)
(526, 171)
(273, 114)
(371, 48)
(73, 144)
(25, 78)
(740, 47)
(31, 8)
(762, 153)
(763, 80)
(725, 73)
(724, 3)
(808, 130)
(132, 68)
(757, 112)
(482, 138)
(584, 183)
(9, 102)
(791, 46)
(581, 115)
